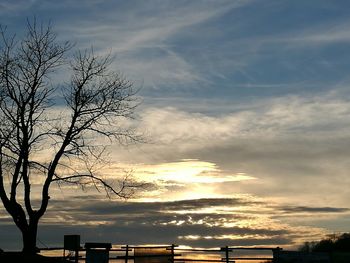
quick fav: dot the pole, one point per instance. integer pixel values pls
(76, 259)
(172, 253)
(126, 253)
(227, 254)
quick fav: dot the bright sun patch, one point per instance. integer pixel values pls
(190, 171)
(186, 179)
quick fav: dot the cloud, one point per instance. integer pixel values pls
(278, 117)
(305, 209)
(286, 162)
(209, 222)
(146, 25)
(200, 222)
(290, 144)
(143, 37)
(227, 98)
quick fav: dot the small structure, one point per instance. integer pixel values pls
(72, 243)
(97, 252)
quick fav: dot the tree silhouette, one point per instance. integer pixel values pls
(338, 243)
(96, 100)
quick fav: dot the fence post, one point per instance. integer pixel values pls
(172, 253)
(227, 254)
(126, 253)
(76, 260)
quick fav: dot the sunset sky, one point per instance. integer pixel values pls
(245, 112)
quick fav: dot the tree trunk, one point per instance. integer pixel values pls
(29, 238)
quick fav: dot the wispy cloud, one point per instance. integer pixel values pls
(147, 25)
(143, 38)
(291, 115)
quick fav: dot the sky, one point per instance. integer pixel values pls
(246, 114)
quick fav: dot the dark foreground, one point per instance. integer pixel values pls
(14, 257)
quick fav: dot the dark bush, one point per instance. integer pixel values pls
(339, 243)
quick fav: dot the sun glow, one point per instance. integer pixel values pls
(181, 180)
(189, 171)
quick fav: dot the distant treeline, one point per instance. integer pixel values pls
(338, 243)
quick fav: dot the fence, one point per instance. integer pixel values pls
(170, 254)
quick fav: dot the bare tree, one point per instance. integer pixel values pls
(96, 100)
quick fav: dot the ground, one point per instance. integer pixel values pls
(14, 257)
